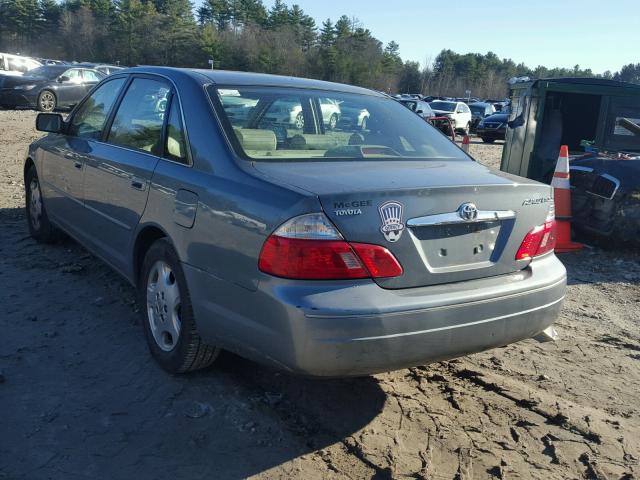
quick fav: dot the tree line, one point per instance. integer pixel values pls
(246, 35)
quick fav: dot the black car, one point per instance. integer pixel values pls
(479, 110)
(493, 127)
(49, 87)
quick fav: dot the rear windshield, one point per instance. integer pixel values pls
(269, 123)
(444, 106)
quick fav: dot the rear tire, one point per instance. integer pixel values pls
(47, 101)
(167, 313)
(40, 227)
(488, 140)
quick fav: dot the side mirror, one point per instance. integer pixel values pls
(419, 112)
(49, 122)
(63, 78)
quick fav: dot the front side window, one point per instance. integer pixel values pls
(73, 75)
(140, 116)
(271, 123)
(91, 116)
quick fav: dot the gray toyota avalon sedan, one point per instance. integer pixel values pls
(320, 246)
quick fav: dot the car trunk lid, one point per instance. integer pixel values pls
(423, 212)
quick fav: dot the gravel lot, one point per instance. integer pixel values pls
(81, 398)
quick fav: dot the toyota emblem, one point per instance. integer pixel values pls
(468, 212)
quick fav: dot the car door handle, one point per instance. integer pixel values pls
(137, 184)
(78, 165)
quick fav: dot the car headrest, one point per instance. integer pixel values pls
(256, 139)
(308, 141)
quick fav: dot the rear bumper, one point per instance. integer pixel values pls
(344, 329)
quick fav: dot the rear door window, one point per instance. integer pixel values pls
(91, 116)
(140, 116)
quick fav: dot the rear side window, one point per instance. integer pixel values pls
(279, 124)
(91, 117)
(140, 116)
(176, 143)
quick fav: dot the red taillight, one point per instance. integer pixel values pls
(326, 259)
(538, 241)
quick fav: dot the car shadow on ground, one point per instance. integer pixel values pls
(81, 397)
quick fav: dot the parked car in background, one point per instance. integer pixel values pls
(493, 127)
(353, 115)
(479, 110)
(419, 107)
(499, 105)
(48, 61)
(16, 64)
(458, 112)
(48, 87)
(101, 67)
(329, 253)
(289, 113)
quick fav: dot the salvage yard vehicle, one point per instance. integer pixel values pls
(101, 67)
(598, 121)
(458, 112)
(493, 127)
(479, 110)
(322, 252)
(16, 65)
(422, 109)
(49, 87)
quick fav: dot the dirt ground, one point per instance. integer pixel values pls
(81, 398)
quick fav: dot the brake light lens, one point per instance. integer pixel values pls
(310, 248)
(540, 240)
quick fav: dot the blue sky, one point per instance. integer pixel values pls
(601, 35)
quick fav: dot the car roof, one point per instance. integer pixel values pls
(228, 77)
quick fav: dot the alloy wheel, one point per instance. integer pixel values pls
(47, 101)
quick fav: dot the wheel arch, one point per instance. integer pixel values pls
(28, 165)
(146, 237)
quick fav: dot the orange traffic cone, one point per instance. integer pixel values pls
(562, 198)
(465, 143)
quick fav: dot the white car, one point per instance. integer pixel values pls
(458, 112)
(16, 64)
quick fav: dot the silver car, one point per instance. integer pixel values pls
(322, 252)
